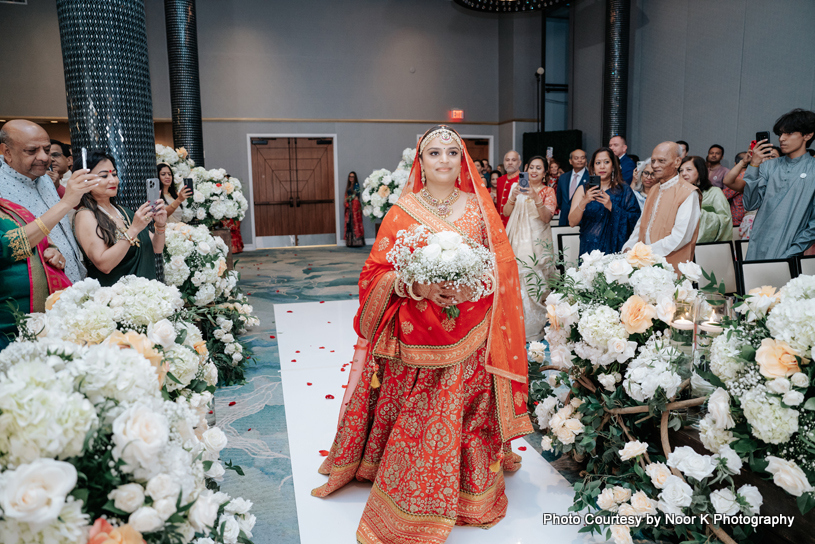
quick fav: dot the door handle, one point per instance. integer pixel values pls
(291, 202)
(297, 201)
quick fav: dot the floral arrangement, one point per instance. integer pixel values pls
(764, 404)
(95, 447)
(217, 198)
(615, 380)
(383, 188)
(195, 262)
(178, 159)
(419, 256)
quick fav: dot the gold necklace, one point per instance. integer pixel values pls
(443, 207)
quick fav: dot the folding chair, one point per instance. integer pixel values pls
(741, 249)
(569, 247)
(556, 231)
(774, 272)
(717, 257)
(806, 265)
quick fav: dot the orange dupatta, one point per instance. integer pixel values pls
(420, 334)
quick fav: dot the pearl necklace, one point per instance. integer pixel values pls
(443, 207)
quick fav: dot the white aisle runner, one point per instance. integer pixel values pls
(315, 340)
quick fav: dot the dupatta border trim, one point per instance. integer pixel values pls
(512, 424)
(376, 304)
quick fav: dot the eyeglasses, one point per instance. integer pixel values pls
(648, 174)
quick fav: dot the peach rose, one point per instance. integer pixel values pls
(221, 268)
(640, 255)
(52, 299)
(182, 153)
(550, 310)
(637, 315)
(201, 348)
(103, 532)
(384, 191)
(144, 346)
(228, 187)
(776, 359)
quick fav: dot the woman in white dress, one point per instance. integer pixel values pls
(530, 209)
(172, 198)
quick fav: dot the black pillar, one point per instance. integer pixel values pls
(185, 89)
(615, 73)
(107, 80)
(542, 85)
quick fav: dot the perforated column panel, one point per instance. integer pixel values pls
(615, 76)
(107, 81)
(185, 89)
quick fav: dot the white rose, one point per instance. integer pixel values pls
(605, 500)
(162, 333)
(691, 270)
(198, 197)
(618, 271)
(139, 434)
(788, 476)
(145, 520)
(799, 379)
(164, 508)
(128, 497)
(666, 308)
(216, 471)
(751, 494)
(642, 504)
(779, 385)
(793, 398)
(632, 450)
(238, 506)
(431, 252)
(659, 474)
(163, 486)
(201, 213)
(35, 493)
(214, 439)
(732, 461)
(447, 239)
(675, 495)
(718, 406)
(621, 534)
(724, 502)
(607, 381)
(621, 494)
(247, 523)
(202, 514)
(204, 248)
(37, 324)
(691, 463)
(230, 529)
(626, 510)
(546, 443)
(565, 435)
(561, 357)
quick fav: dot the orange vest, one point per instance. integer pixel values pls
(663, 218)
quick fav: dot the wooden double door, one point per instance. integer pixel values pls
(293, 189)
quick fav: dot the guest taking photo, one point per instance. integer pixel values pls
(114, 238)
(606, 213)
(172, 198)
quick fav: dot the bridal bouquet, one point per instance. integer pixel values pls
(382, 188)
(217, 197)
(93, 450)
(419, 256)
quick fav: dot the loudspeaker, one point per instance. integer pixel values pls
(563, 142)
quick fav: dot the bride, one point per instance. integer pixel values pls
(530, 210)
(436, 399)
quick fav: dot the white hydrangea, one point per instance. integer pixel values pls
(713, 438)
(653, 369)
(184, 364)
(770, 421)
(106, 372)
(653, 282)
(599, 325)
(723, 352)
(793, 321)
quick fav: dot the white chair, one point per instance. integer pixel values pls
(569, 247)
(741, 249)
(775, 273)
(806, 265)
(717, 258)
(557, 231)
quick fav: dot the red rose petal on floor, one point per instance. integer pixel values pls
(298, 351)
(247, 294)
(345, 387)
(294, 360)
(329, 397)
(329, 322)
(522, 448)
(309, 268)
(249, 429)
(322, 347)
(211, 412)
(324, 453)
(332, 351)
(308, 383)
(342, 369)
(277, 291)
(271, 336)
(322, 302)
(233, 403)
(289, 312)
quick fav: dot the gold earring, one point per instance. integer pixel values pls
(424, 179)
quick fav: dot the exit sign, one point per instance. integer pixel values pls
(456, 116)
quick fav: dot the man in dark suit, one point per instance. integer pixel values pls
(568, 183)
(619, 147)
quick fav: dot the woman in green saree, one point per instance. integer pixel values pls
(716, 223)
(114, 238)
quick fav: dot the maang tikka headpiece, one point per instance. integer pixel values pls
(445, 134)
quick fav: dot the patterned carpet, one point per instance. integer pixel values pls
(252, 415)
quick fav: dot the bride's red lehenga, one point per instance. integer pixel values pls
(434, 437)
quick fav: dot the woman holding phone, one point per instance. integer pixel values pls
(115, 239)
(605, 208)
(530, 208)
(172, 198)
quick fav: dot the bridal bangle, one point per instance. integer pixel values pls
(412, 294)
(45, 230)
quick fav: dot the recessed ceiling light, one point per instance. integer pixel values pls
(55, 121)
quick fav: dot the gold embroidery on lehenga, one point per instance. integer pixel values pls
(421, 305)
(18, 242)
(383, 244)
(407, 327)
(448, 324)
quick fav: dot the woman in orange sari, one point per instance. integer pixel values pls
(437, 399)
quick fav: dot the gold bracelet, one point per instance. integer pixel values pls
(45, 230)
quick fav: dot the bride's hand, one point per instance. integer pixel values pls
(441, 293)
